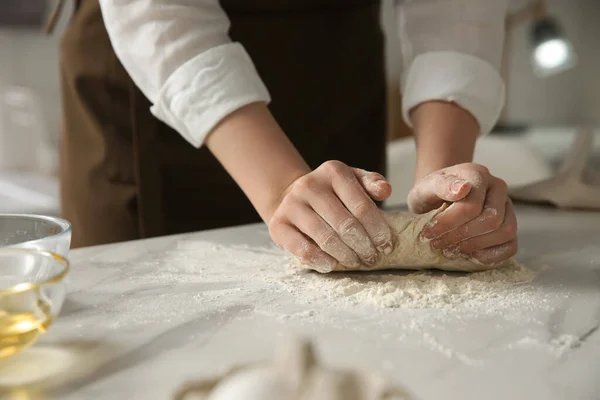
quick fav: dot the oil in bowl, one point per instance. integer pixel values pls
(32, 291)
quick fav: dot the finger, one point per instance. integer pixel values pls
(490, 219)
(505, 233)
(313, 226)
(289, 238)
(435, 189)
(497, 254)
(361, 207)
(347, 227)
(458, 213)
(374, 184)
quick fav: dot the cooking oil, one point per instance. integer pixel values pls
(19, 328)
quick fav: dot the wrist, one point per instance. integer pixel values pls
(445, 135)
(275, 192)
(258, 155)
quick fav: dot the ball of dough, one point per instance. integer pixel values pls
(413, 252)
(252, 384)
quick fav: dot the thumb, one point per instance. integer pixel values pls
(376, 186)
(435, 189)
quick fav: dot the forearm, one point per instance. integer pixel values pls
(445, 135)
(452, 59)
(258, 155)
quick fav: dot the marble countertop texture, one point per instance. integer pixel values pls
(143, 317)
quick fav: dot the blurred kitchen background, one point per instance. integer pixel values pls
(552, 63)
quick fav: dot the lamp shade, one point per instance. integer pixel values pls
(551, 51)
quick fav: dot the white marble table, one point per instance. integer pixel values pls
(143, 317)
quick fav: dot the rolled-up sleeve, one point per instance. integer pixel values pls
(452, 51)
(179, 54)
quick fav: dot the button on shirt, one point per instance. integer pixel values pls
(179, 54)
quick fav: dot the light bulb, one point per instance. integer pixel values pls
(551, 53)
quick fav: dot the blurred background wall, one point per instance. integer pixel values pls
(29, 59)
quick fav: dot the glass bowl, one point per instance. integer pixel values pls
(32, 291)
(37, 232)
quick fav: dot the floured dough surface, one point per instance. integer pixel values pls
(412, 252)
(295, 373)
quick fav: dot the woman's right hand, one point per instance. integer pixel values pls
(328, 217)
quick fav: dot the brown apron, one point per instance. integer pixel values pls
(126, 175)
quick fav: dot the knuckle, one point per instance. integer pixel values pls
(502, 183)
(514, 248)
(275, 227)
(414, 202)
(411, 198)
(382, 231)
(482, 169)
(334, 166)
(362, 209)
(303, 184)
(509, 230)
(492, 218)
(327, 238)
(382, 237)
(347, 226)
(496, 222)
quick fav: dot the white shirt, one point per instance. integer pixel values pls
(179, 54)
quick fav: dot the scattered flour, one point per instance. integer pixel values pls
(271, 269)
(557, 346)
(418, 305)
(424, 289)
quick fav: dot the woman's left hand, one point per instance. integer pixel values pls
(481, 220)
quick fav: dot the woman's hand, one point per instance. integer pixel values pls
(481, 221)
(328, 216)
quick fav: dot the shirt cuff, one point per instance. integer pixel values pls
(466, 80)
(206, 89)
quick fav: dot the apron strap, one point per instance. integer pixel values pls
(151, 214)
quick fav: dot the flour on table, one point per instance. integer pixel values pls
(419, 304)
(411, 252)
(271, 266)
(422, 289)
(557, 347)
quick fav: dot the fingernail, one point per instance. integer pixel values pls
(427, 232)
(457, 186)
(324, 269)
(372, 259)
(386, 248)
(451, 252)
(436, 244)
(427, 235)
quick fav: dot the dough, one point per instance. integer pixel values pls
(252, 384)
(412, 252)
(293, 374)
